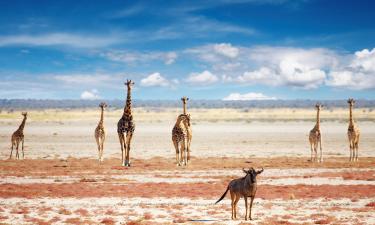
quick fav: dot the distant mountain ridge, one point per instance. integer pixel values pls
(45, 104)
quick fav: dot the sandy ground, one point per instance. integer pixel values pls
(61, 182)
(45, 139)
(80, 191)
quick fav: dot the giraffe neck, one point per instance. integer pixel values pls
(128, 104)
(184, 107)
(318, 119)
(351, 121)
(22, 126)
(101, 118)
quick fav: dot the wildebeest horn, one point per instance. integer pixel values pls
(260, 171)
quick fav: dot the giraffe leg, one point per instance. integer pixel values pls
(23, 154)
(98, 144)
(121, 138)
(321, 150)
(246, 205)
(175, 143)
(182, 153)
(312, 151)
(102, 149)
(188, 148)
(351, 152)
(251, 206)
(11, 151)
(129, 137)
(17, 154)
(356, 149)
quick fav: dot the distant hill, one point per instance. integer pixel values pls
(44, 104)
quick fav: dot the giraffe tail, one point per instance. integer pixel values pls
(222, 197)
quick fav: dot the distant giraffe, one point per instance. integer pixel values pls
(126, 126)
(18, 137)
(180, 139)
(100, 133)
(353, 133)
(315, 137)
(189, 131)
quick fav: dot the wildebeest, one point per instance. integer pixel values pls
(242, 187)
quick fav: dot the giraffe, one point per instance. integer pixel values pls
(126, 126)
(100, 133)
(353, 133)
(18, 137)
(189, 131)
(315, 137)
(180, 139)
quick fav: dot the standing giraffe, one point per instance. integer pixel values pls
(18, 137)
(353, 133)
(189, 131)
(180, 139)
(100, 133)
(315, 137)
(126, 126)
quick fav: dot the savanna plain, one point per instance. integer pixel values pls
(60, 181)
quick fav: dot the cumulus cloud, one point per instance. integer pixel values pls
(226, 50)
(90, 95)
(136, 57)
(215, 53)
(155, 79)
(247, 96)
(206, 77)
(360, 74)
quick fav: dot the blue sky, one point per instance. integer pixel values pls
(232, 50)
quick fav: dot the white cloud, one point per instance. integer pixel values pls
(90, 95)
(155, 79)
(86, 79)
(247, 96)
(226, 49)
(206, 77)
(60, 39)
(135, 57)
(360, 74)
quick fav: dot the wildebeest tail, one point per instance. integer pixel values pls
(225, 193)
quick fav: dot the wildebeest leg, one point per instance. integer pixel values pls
(235, 206)
(233, 198)
(245, 197)
(251, 205)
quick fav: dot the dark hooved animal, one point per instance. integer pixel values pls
(242, 187)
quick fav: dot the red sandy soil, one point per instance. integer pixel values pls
(55, 167)
(191, 190)
(89, 187)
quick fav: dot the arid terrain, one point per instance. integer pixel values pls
(60, 181)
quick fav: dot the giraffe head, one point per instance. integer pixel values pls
(103, 105)
(184, 99)
(351, 101)
(24, 114)
(318, 106)
(129, 84)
